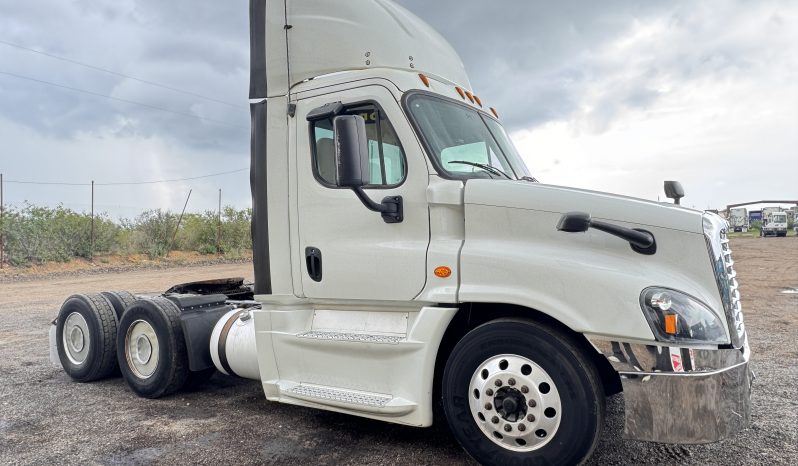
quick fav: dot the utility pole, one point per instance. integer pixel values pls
(219, 226)
(91, 250)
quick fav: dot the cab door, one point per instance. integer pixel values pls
(346, 251)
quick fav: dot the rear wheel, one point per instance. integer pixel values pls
(151, 348)
(85, 336)
(120, 300)
(515, 391)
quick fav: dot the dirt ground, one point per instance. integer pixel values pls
(46, 418)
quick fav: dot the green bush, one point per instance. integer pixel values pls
(35, 235)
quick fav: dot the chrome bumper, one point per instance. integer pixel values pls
(680, 395)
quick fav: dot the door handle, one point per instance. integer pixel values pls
(313, 263)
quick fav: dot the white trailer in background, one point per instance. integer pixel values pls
(738, 220)
(405, 260)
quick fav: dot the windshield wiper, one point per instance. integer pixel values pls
(486, 167)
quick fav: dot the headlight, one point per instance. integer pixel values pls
(678, 317)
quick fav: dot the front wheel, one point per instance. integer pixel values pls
(517, 392)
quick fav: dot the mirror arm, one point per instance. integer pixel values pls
(641, 239)
(390, 208)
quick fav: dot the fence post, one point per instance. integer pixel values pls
(219, 226)
(2, 226)
(91, 250)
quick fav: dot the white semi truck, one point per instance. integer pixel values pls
(405, 260)
(774, 222)
(738, 220)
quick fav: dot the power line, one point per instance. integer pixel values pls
(97, 94)
(126, 183)
(116, 73)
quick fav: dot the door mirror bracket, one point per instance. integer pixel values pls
(352, 166)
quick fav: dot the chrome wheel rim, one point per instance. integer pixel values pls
(141, 349)
(515, 402)
(76, 338)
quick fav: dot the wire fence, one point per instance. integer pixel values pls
(31, 233)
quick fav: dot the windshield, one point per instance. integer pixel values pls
(779, 218)
(463, 142)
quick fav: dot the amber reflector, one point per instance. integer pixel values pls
(424, 79)
(479, 102)
(670, 324)
(443, 271)
(460, 91)
(470, 96)
(494, 112)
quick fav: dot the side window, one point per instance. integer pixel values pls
(385, 151)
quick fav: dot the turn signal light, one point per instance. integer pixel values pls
(443, 271)
(670, 323)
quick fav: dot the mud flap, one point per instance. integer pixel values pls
(54, 346)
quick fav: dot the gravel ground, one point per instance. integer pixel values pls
(46, 418)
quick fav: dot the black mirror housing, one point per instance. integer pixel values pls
(351, 151)
(674, 190)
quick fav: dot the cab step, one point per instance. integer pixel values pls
(352, 337)
(350, 399)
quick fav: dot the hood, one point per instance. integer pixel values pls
(603, 206)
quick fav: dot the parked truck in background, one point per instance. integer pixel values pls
(738, 220)
(406, 260)
(774, 222)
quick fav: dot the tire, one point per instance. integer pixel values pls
(151, 348)
(85, 337)
(120, 300)
(554, 392)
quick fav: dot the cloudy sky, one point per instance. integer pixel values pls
(613, 96)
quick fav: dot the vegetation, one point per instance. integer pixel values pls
(35, 235)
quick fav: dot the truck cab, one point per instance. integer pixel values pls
(407, 262)
(774, 224)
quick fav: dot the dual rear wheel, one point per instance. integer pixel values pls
(102, 334)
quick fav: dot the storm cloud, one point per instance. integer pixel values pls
(604, 95)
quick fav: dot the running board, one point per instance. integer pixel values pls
(352, 337)
(349, 399)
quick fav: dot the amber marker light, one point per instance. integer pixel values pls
(470, 96)
(460, 91)
(494, 112)
(670, 324)
(443, 271)
(424, 79)
(479, 102)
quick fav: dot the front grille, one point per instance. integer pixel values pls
(726, 276)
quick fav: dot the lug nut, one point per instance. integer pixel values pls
(511, 381)
(532, 403)
(488, 406)
(498, 383)
(530, 418)
(489, 392)
(494, 419)
(521, 427)
(524, 389)
(508, 427)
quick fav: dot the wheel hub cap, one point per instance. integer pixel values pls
(76, 338)
(515, 402)
(141, 349)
